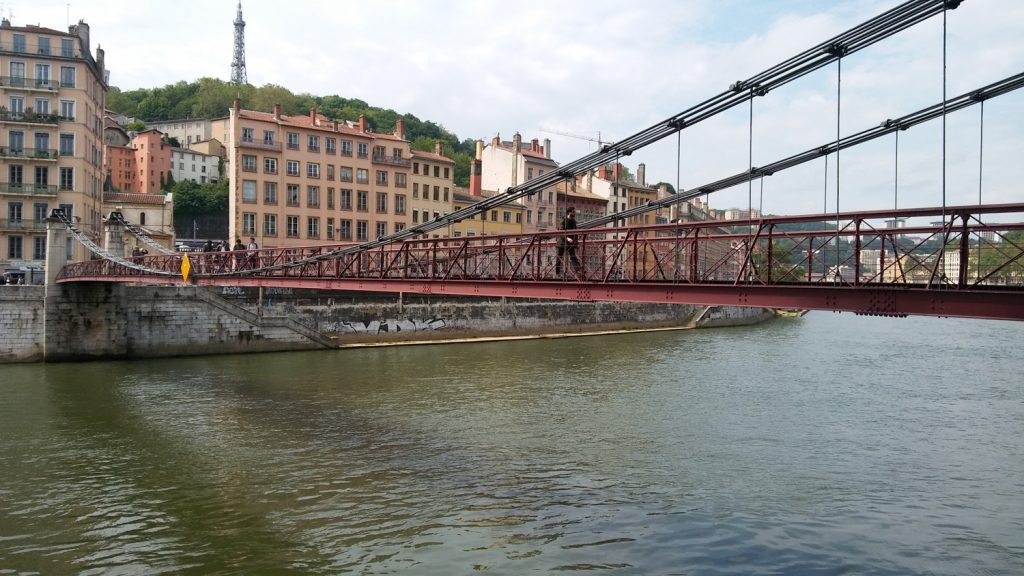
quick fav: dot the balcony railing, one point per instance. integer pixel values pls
(31, 153)
(261, 144)
(19, 224)
(30, 117)
(29, 83)
(34, 189)
(393, 161)
(346, 152)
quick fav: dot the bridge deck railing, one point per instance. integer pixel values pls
(856, 249)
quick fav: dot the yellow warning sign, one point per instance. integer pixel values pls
(186, 267)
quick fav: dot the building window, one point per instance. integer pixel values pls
(399, 226)
(519, 217)
(330, 171)
(379, 151)
(43, 175)
(400, 204)
(415, 216)
(247, 135)
(382, 229)
(330, 198)
(506, 217)
(494, 215)
(445, 193)
(67, 144)
(248, 163)
(346, 199)
(330, 228)
(362, 176)
(415, 167)
(293, 226)
(270, 193)
(67, 109)
(293, 141)
(344, 229)
(67, 178)
(313, 197)
(67, 48)
(313, 143)
(362, 148)
(312, 227)
(19, 43)
(437, 193)
(332, 145)
(270, 165)
(268, 139)
(399, 179)
(416, 190)
(44, 46)
(14, 247)
(293, 195)
(249, 223)
(346, 147)
(446, 173)
(346, 174)
(382, 177)
(67, 76)
(293, 167)
(362, 230)
(39, 248)
(437, 171)
(362, 201)
(312, 170)
(249, 191)
(14, 211)
(270, 224)
(382, 202)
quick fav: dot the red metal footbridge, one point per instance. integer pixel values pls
(967, 261)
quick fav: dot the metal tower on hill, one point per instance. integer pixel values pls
(238, 61)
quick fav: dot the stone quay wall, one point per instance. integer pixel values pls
(91, 321)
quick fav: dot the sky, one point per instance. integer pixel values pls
(614, 68)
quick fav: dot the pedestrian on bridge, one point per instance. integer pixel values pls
(252, 247)
(567, 243)
(238, 248)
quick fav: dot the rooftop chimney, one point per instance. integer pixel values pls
(476, 171)
(438, 147)
(517, 142)
(312, 116)
(362, 123)
(236, 104)
(534, 145)
(616, 171)
(277, 111)
(547, 148)
(641, 177)
(400, 129)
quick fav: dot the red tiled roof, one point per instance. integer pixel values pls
(133, 198)
(431, 156)
(307, 122)
(38, 30)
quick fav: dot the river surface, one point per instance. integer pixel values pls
(830, 444)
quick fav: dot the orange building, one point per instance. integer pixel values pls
(307, 180)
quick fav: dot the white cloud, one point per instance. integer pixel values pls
(480, 68)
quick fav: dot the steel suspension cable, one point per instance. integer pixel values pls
(839, 114)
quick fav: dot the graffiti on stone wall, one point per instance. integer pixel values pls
(385, 326)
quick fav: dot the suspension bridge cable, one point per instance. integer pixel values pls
(942, 252)
(933, 112)
(839, 115)
(874, 30)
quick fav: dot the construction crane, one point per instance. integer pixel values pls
(599, 141)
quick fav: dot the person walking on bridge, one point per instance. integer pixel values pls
(567, 243)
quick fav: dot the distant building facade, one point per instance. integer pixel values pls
(186, 131)
(507, 164)
(153, 213)
(309, 180)
(195, 166)
(143, 166)
(433, 180)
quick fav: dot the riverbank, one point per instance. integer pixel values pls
(102, 321)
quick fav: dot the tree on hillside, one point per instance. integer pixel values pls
(136, 126)
(668, 185)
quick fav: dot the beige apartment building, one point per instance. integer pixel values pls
(309, 180)
(507, 164)
(52, 95)
(433, 182)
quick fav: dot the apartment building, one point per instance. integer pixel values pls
(433, 183)
(195, 166)
(507, 164)
(186, 131)
(506, 219)
(52, 95)
(142, 166)
(308, 180)
(621, 194)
